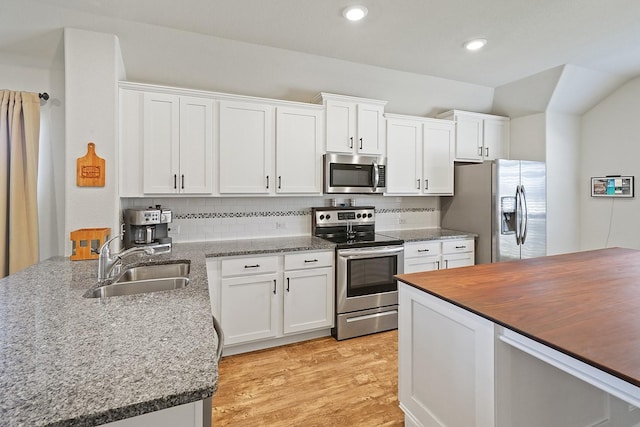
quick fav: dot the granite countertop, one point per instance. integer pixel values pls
(424, 234)
(66, 360)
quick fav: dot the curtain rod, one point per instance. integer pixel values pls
(44, 96)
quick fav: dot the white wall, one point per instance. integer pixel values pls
(562, 158)
(51, 154)
(92, 70)
(611, 145)
(528, 138)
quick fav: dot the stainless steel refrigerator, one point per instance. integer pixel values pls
(504, 203)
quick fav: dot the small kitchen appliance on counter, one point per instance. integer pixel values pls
(366, 292)
(146, 226)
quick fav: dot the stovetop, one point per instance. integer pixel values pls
(332, 224)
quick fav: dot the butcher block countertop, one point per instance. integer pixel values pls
(585, 304)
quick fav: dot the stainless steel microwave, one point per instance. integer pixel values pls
(347, 174)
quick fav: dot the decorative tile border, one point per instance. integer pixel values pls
(262, 214)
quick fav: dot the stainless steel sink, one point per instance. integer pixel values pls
(145, 279)
(155, 271)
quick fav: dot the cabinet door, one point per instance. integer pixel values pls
(426, 263)
(250, 309)
(404, 146)
(458, 260)
(196, 145)
(469, 138)
(370, 135)
(298, 151)
(308, 299)
(341, 126)
(437, 158)
(161, 143)
(245, 148)
(496, 139)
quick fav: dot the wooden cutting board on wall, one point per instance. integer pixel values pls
(90, 169)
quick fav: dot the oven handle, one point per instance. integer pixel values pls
(368, 252)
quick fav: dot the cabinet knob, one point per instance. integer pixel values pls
(479, 151)
(351, 142)
(310, 260)
(175, 181)
(274, 286)
(486, 152)
(279, 182)
(287, 284)
(423, 250)
(418, 184)
(182, 182)
(426, 184)
(361, 143)
(267, 182)
(252, 266)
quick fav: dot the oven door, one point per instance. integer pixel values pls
(364, 277)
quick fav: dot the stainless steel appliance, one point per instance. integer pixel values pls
(146, 226)
(354, 174)
(504, 203)
(366, 292)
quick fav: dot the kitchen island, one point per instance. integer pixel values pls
(551, 341)
(67, 360)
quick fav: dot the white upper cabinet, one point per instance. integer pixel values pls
(298, 150)
(178, 144)
(354, 125)
(437, 157)
(404, 156)
(479, 136)
(246, 143)
(419, 156)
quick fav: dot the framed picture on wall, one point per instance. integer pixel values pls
(612, 186)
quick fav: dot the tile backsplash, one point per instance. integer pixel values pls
(229, 218)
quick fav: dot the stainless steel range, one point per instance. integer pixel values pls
(366, 292)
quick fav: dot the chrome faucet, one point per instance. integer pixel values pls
(109, 265)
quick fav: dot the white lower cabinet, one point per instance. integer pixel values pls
(262, 299)
(308, 299)
(250, 308)
(438, 255)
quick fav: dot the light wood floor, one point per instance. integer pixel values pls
(322, 382)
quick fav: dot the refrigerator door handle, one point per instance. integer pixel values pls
(518, 214)
(525, 215)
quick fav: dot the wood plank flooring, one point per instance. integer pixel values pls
(322, 382)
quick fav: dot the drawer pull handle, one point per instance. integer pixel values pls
(423, 250)
(288, 284)
(310, 260)
(461, 247)
(252, 266)
(274, 287)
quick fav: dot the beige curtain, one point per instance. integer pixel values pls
(19, 138)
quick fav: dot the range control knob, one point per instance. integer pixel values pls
(328, 216)
(359, 216)
(321, 217)
(369, 215)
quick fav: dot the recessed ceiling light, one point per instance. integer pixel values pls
(355, 13)
(475, 44)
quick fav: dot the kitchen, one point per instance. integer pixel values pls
(553, 132)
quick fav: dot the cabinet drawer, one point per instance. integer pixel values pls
(249, 266)
(420, 249)
(308, 260)
(454, 246)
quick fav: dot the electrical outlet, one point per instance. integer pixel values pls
(281, 225)
(402, 221)
(174, 229)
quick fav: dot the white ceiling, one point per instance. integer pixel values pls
(419, 36)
